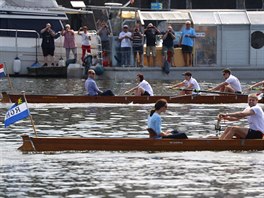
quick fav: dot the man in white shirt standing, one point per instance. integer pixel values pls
(255, 117)
(231, 83)
(125, 38)
(143, 88)
(190, 84)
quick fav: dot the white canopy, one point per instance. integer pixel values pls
(206, 17)
(179, 16)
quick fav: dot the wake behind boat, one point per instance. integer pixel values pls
(52, 144)
(186, 99)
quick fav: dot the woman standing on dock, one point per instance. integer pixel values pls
(69, 42)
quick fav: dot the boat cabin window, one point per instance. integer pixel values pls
(27, 24)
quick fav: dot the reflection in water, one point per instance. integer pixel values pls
(121, 174)
(124, 174)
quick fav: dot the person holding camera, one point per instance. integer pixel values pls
(104, 33)
(69, 42)
(138, 46)
(167, 44)
(47, 45)
(125, 38)
(151, 31)
(86, 38)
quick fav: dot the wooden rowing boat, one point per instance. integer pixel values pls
(187, 99)
(52, 144)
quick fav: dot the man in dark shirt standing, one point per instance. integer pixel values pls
(151, 31)
(47, 45)
(167, 44)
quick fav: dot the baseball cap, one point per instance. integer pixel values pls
(150, 25)
(187, 73)
(125, 26)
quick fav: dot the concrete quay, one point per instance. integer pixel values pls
(200, 73)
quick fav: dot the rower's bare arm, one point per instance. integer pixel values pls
(177, 85)
(257, 84)
(130, 90)
(219, 86)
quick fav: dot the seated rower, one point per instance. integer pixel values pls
(231, 83)
(154, 122)
(143, 88)
(255, 117)
(189, 84)
(91, 86)
(261, 83)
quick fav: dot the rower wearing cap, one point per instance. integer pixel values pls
(189, 83)
(255, 117)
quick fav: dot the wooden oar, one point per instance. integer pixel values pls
(218, 92)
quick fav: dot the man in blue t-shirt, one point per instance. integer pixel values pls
(187, 42)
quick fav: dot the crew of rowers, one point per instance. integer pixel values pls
(253, 112)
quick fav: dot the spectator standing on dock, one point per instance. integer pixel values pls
(138, 46)
(104, 33)
(255, 117)
(190, 84)
(86, 38)
(167, 44)
(47, 45)
(69, 41)
(143, 88)
(187, 42)
(92, 88)
(125, 38)
(151, 32)
(231, 83)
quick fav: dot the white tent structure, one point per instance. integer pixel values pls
(230, 37)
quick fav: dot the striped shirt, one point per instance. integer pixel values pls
(137, 39)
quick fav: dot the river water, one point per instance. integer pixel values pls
(120, 174)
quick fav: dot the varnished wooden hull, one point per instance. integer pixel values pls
(52, 144)
(194, 99)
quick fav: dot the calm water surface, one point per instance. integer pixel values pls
(120, 174)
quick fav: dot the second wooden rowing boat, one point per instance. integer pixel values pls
(52, 144)
(187, 99)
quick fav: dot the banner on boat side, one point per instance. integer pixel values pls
(2, 71)
(17, 112)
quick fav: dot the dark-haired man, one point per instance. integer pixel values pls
(231, 83)
(143, 88)
(189, 83)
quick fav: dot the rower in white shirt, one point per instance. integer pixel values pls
(189, 83)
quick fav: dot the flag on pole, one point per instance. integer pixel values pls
(17, 112)
(2, 71)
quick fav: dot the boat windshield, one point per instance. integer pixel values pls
(27, 24)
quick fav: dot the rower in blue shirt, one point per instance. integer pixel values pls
(92, 88)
